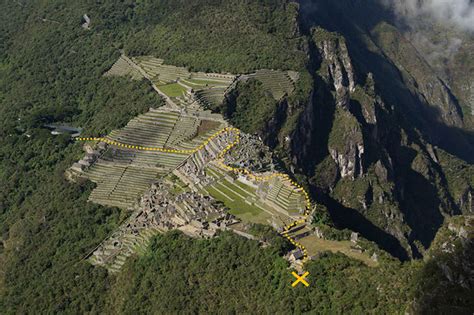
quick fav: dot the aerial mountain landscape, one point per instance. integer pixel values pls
(216, 156)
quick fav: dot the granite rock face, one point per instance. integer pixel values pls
(363, 149)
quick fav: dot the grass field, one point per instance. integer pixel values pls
(235, 193)
(316, 245)
(234, 198)
(172, 89)
(245, 187)
(208, 82)
(178, 187)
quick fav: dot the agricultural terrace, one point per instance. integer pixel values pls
(124, 67)
(184, 88)
(272, 201)
(178, 83)
(122, 175)
(125, 170)
(279, 83)
(114, 258)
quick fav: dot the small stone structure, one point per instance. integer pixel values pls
(87, 22)
(354, 237)
(91, 156)
(295, 255)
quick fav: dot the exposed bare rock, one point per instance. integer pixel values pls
(349, 162)
(381, 171)
(336, 61)
(346, 145)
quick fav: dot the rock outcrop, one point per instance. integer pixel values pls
(346, 143)
(336, 64)
(364, 153)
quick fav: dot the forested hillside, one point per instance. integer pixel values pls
(51, 71)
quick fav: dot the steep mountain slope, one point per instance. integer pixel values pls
(448, 273)
(443, 34)
(370, 126)
(389, 110)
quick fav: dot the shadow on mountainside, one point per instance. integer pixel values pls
(355, 21)
(445, 284)
(351, 219)
(419, 201)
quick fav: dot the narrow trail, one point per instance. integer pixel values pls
(220, 161)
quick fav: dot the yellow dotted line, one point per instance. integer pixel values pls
(232, 169)
(137, 147)
(267, 177)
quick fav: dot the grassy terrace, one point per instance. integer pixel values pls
(213, 96)
(149, 64)
(198, 140)
(151, 129)
(316, 245)
(213, 77)
(122, 68)
(205, 82)
(286, 197)
(119, 185)
(277, 82)
(157, 71)
(241, 199)
(130, 244)
(185, 129)
(172, 89)
(144, 158)
(237, 205)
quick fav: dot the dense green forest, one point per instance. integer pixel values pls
(249, 106)
(232, 274)
(51, 71)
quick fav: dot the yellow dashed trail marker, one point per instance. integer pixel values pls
(220, 158)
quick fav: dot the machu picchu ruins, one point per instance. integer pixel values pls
(237, 157)
(168, 169)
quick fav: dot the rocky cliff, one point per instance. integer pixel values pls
(378, 134)
(381, 138)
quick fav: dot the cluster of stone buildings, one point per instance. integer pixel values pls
(166, 211)
(90, 157)
(162, 208)
(192, 171)
(251, 154)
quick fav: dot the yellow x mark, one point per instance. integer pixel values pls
(300, 279)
